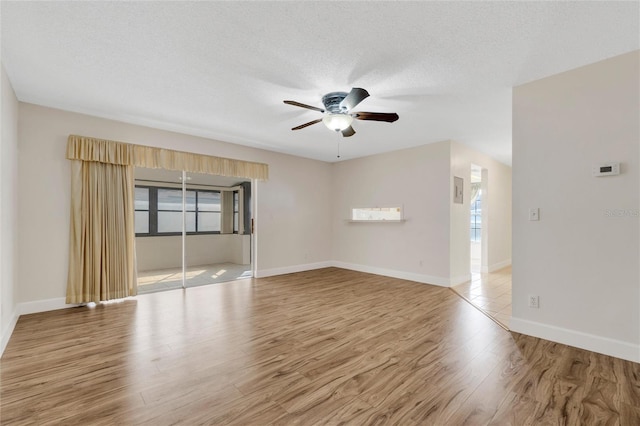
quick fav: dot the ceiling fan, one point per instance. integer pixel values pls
(337, 111)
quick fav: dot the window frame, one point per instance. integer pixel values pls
(236, 212)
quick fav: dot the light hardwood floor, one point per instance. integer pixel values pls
(323, 347)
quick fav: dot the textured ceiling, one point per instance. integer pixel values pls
(222, 69)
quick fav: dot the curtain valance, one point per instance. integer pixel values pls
(112, 152)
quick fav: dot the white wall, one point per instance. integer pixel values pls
(496, 204)
(579, 259)
(8, 209)
(293, 231)
(166, 252)
(292, 206)
(418, 179)
(433, 245)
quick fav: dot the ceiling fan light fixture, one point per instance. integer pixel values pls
(338, 111)
(337, 122)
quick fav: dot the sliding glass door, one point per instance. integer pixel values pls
(189, 229)
(214, 249)
(158, 224)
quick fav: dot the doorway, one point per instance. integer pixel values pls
(488, 290)
(191, 229)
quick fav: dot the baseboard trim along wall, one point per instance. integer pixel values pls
(36, 306)
(459, 280)
(499, 265)
(8, 331)
(421, 278)
(578, 339)
(263, 273)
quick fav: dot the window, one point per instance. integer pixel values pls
(159, 211)
(236, 210)
(377, 214)
(476, 217)
(142, 210)
(208, 211)
(169, 210)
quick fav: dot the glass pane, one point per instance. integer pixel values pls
(169, 221)
(208, 222)
(172, 222)
(377, 213)
(142, 199)
(235, 222)
(191, 201)
(142, 222)
(191, 221)
(158, 258)
(169, 199)
(236, 203)
(208, 201)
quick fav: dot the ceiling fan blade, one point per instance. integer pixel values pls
(355, 96)
(298, 104)
(348, 132)
(389, 117)
(302, 126)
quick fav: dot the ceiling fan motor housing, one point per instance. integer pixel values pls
(331, 102)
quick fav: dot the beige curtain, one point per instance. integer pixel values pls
(102, 239)
(106, 151)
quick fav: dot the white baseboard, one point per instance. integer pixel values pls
(461, 279)
(27, 308)
(42, 306)
(421, 278)
(8, 331)
(591, 342)
(499, 265)
(262, 273)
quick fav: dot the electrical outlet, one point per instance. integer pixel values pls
(534, 214)
(534, 302)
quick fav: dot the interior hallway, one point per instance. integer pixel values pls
(489, 292)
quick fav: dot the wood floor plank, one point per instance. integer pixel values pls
(518, 410)
(629, 414)
(599, 406)
(328, 346)
(628, 379)
(484, 402)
